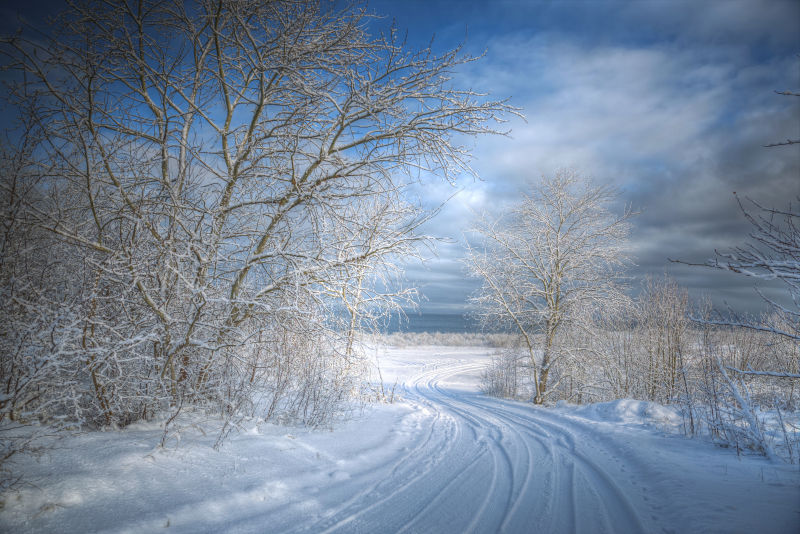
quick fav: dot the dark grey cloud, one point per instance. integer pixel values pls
(728, 22)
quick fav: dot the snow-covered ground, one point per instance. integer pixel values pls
(443, 458)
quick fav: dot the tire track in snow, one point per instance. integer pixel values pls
(482, 421)
(502, 486)
(486, 465)
(403, 473)
(392, 487)
(565, 437)
(616, 505)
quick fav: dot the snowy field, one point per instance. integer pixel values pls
(443, 458)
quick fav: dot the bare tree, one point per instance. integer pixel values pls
(662, 325)
(635, 349)
(230, 178)
(754, 367)
(555, 254)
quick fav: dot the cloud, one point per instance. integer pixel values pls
(677, 123)
(728, 22)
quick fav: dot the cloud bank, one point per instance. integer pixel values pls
(671, 102)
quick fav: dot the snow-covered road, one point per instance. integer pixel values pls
(482, 465)
(443, 459)
(487, 465)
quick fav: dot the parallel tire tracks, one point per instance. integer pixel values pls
(486, 465)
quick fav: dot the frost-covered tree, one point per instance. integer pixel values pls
(229, 179)
(739, 383)
(551, 257)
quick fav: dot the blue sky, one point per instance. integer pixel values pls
(670, 101)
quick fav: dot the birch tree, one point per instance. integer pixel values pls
(551, 257)
(226, 170)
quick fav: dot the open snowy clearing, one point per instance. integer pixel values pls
(442, 458)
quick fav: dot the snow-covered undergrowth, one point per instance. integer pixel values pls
(779, 429)
(736, 387)
(442, 458)
(627, 412)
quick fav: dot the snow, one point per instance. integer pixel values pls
(627, 412)
(442, 458)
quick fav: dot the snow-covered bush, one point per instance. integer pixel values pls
(735, 385)
(750, 365)
(739, 397)
(634, 349)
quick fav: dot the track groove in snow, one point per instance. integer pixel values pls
(500, 471)
(562, 458)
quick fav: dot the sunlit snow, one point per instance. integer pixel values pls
(442, 458)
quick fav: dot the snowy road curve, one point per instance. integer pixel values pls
(484, 465)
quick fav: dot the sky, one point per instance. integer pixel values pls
(670, 102)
